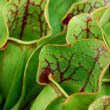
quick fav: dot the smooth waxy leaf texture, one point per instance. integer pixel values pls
(105, 85)
(103, 18)
(13, 61)
(43, 100)
(82, 101)
(56, 11)
(28, 73)
(75, 68)
(85, 6)
(29, 77)
(3, 31)
(105, 89)
(83, 26)
(29, 87)
(102, 103)
(26, 20)
(76, 101)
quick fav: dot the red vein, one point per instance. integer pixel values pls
(91, 7)
(24, 21)
(99, 52)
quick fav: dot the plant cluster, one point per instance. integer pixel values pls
(54, 55)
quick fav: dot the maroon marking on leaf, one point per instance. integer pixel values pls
(24, 21)
(45, 73)
(100, 52)
(19, 1)
(88, 26)
(5, 46)
(87, 29)
(48, 69)
(69, 45)
(67, 19)
(14, 13)
(42, 32)
(106, 103)
(107, 99)
(70, 77)
(80, 10)
(41, 22)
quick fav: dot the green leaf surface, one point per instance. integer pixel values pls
(76, 101)
(30, 88)
(76, 68)
(56, 11)
(105, 85)
(56, 104)
(85, 6)
(29, 71)
(53, 39)
(80, 101)
(3, 31)
(2, 3)
(102, 103)
(103, 18)
(42, 101)
(81, 27)
(13, 61)
(26, 19)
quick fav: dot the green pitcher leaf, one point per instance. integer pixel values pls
(83, 26)
(76, 101)
(56, 11)
(56, 104)
(37, 48)
(13, 61)
(102, 103)
(43, 100)
(3, 31)
(105, 84)
(26, 19)
(85, 6)
(105, 89)
(29, 87)
(75, 68)
(103, 18)
(29, 76)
